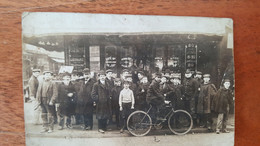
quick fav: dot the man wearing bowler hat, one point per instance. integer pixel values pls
(190, 91)
(46, 95)
(101, 95)
(85, 102)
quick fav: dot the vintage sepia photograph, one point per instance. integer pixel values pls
(107, 79)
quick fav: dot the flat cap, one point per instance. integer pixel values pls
(47, 71)
(117, 79)
(206, 76)
(198, 73)
(109, 70)
(36, 70)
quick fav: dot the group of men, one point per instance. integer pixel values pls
(113, 99)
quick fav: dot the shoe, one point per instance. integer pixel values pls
(88, 128)
(217, 131)
(69, 126)
(60, 128)
(44, 130)
(101, 131)
(121, 130)
(225, 131)
(202, 126)
(50, 131)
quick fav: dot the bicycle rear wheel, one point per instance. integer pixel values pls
(180, 122)
(139, 123)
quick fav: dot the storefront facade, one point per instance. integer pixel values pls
(150, 52)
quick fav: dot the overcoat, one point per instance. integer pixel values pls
(66, 102)
(101, 95)
(84, 100)
(33, 86)
(206, 95)
(222, 99)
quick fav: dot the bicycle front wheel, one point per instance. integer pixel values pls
(180, 122)
(139, 123)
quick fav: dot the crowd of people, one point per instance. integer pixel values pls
(112, 99)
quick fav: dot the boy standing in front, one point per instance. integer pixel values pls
(126, 103)
(222, 101)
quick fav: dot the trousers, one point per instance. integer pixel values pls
(48, 112)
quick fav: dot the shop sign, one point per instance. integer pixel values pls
(126, 62)
(111, 61)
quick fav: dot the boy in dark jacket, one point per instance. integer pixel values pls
(141, 94)
(222, 101)
(115, 99)
(66, 91)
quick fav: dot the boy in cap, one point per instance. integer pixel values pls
(126, 103)
(206, 94)
(155, 96)
(66, 91)
(109, 78)
(46, 95)
(101, 95)
(221, 102)
(141, 94)
(115, 99)
(177, 92)
(33, 84)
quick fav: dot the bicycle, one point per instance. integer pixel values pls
(139, 123)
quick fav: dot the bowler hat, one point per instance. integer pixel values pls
(226, 80)
(86, 70)
(187, 71)
(102, 72)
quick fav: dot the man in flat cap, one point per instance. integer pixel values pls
(190, 91)
(85, 102)
(109, 78)
(46, 95)
(206, 94)
(33, 86)
(101, 95)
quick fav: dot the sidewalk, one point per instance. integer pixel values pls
(77, 132)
